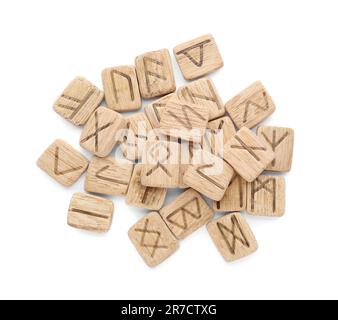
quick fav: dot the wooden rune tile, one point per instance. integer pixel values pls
(186, 214)
(198, 57)
(78, 101)
(121, 88)
(153, 239)
(108, 176)
(63, 163)
(101, 132)
(232, 236)
(90, 213)
(155, 74)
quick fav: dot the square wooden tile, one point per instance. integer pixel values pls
(78, 101)
(63, 163)
(109, 176)
(155, 74)
(186, 214)
(225, 125)
(152, 239)
(136, 136)
(248, 154)
(203, 92)
(232, 236)
(266, 196)
(154, 110)
(121, 89)
(210, 178)
(251, 106)
(101, 132)
(281, 142)
(198, 57)
(161, 165)
(184, 120)
(144, 197)
(90, 213)
(234, 198)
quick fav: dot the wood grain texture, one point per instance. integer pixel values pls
(161, 165)
(121, 89)
(108, 176)
(281, 142)
(225, 125)
(154, 110)
(234, 198)
(90, 213)
(248, 154)
(78, 101)
(232, 237)
(155, 74)
(136, 135)
(100, 134)
(63, 163)
(266, 196)
(198, 57)
(184, 120)
(203, 92)
(186, 213)
(210, 178)
(251, 106)
(152, 239)
(144, 197)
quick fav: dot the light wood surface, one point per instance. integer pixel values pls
(136, 135)
(234, 198)
(186, 213)
(198, 57)
(266, 196)
(232, 236)
(108, 176)
(248, 154)
(251, 106)
(203, 92)
(184, 120)
(161, 165)
(100, 134)
(155, 74)
(152, 239)
(63, 163)
(121, 88)
(281, 142)
(210, 178)
(78, 101)
(154, 110)
(144, 197)
(90, 213)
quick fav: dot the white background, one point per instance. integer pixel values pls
(290, 45)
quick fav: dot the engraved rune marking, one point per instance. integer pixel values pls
(250, 103)
(200, 45)
(80, 103)
(184, 213)
(274, 143)
(57, 172)
(157, 113)
(88, 213)
(146, 63)
(203, 175)
(247, 148)
(156, 244)
(189, 95)
(97, 131)
(186, 120)
(231, 244)
(99, 176)
(130, 84)
(159, 165)
(263, 185)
